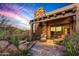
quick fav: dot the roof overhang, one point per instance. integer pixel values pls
(54, 18)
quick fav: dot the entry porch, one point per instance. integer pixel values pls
(56, 29)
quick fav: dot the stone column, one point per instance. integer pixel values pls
(77, 19)
(49, 32)
(44, 32)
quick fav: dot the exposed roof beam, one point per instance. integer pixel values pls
(54, 18)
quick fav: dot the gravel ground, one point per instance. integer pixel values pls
(47, 50)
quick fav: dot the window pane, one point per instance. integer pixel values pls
(58, 28)
(52, 28)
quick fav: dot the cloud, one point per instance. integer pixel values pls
(18, 14)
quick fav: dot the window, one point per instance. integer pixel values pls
(59, 28)
(52, 28)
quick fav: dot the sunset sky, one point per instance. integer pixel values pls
(23, 12)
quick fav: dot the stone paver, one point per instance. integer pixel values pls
(47, 50)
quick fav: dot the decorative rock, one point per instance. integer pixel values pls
(43, 38)
(12, 49)
(22, 41)
(3, 45)
(23, 46)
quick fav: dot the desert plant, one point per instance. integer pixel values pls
(24, 53)
(71, 43)
(14, 40)
(2, 34)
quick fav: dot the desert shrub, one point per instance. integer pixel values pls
(3, 34)
(24, 53)
(14, 39)
(71, 43)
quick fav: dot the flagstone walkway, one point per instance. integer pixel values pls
(41, 49)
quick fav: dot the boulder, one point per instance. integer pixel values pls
(12, 49)
(43, 39)
(3, 45)
(23, 46)
(22, 41)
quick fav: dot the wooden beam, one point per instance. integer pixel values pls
(54, 18)
(54, 15)
(63, 12)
